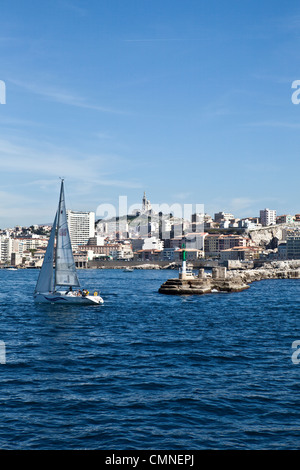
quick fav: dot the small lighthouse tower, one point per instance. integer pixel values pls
(183, 269)
(184, 272)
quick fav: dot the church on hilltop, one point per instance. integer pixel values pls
(146, 205)
(145, 208)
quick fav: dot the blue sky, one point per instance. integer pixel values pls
(188, 100)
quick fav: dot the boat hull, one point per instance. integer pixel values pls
(54, 298)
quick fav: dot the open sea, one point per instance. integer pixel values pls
(149, 371)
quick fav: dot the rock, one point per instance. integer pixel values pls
(147, 266)
(265, 236)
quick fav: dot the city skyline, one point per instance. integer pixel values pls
(188, 101)
(147, 213)
(183, 211)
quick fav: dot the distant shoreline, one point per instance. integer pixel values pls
(139, 266)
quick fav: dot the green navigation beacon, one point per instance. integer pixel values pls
(183, 252)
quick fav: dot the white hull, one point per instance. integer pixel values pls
(61, 298)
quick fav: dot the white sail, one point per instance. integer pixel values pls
(65, 270)
(45, 279)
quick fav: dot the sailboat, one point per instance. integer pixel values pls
(56, 282)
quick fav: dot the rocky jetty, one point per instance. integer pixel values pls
(272, 270)
(221, 280)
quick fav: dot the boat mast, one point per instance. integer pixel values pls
(57, 228)
(55, 245)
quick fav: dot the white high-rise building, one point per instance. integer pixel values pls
(81, 227)
(5, 249)
(267, 217)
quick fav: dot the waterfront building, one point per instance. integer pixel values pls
(37, 258)
(191, 254)
(82, 258)
(267, 217)
(147, 255)
(81, 227)
(293, 245)
(168, 254)
(5, 249)
(244, 253)
(282, 250)
(195, 240)
(231, 241)
(102, 250)
(213, 244)
(122, 252)
(153, 243)
(16, 259)
(8, 246)
(32, 243)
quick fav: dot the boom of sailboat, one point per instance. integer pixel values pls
(58, 276)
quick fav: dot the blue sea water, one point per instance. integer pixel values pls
(149, 371)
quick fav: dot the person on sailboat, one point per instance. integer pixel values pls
(70, 291)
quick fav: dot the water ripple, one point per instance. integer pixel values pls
(147, 371)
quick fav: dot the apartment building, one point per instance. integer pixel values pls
(267, 217)
(9, 246)
(240, 253)
(81, 227)
(195, 240)
(214, 244)
(153, 243)
(285, 219)
(5, 249)
(219, 216)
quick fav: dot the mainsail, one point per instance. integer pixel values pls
(65, 270)
(45, 279)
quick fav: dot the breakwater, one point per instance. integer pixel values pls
(221, 280)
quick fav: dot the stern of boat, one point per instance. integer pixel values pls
(95, 299)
